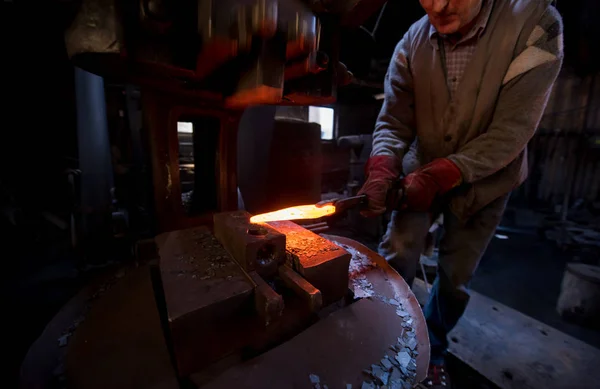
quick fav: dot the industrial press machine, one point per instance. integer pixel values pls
(239, 304)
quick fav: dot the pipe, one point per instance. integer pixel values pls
(95, 162)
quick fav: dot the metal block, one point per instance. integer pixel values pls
(257, 248)
(319, 261)
(263, 81)
(302, 288)
(268, 303)
(205, 292)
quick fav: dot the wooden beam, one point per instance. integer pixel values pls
(516, 351)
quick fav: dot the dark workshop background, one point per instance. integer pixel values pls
(38, 147)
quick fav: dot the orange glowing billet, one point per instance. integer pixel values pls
(295, 213)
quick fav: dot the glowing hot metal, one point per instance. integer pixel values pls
(295, 213)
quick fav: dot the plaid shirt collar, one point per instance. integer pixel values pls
(478, 28)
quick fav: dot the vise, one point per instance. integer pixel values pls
(245, 289)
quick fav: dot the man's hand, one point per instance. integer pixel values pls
(381, 172)
(422, 186)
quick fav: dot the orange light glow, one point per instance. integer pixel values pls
(295, 213)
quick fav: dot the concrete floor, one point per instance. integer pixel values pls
(525, 272)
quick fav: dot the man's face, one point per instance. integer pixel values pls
(449, 16)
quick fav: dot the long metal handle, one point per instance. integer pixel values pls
(394, 201)
(350, 202)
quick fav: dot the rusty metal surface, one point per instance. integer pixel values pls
(260, 248)
(336, 349)
(319, 261)
(119, 342)
(197, 272)
(268, 303)
(205, 292)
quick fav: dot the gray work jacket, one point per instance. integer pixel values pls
(485, 127)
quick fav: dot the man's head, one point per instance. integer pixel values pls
(451, 16)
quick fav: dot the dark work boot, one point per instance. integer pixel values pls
(437, 377)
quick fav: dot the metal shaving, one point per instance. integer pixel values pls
(403, 358)
(316, 382)
(397, 371)
(395, 380)
(412, 343)
(314, 379)
(213, 262)
(412, 366)
(63, 340)
(359, 265)
(385, 362)
(362, 287)
(379, 374)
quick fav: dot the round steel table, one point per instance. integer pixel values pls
(110, 336)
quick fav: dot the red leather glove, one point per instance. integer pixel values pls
(381, 171)
(422, 186)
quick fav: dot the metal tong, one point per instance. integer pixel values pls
(394, 201)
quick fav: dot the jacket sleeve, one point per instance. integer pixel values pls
(521, 103)
(395, 127)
